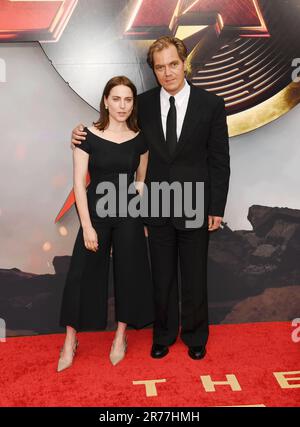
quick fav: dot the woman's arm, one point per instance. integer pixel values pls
(141, 172)
(80, 169)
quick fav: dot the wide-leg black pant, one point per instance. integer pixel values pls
(85, 296)
(166, 243)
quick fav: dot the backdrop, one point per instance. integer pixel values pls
(55, 58)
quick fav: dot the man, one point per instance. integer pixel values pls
(186, 131)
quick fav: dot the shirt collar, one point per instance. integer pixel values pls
(179, 97)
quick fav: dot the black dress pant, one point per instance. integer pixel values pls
(85, 296)
(166, 243)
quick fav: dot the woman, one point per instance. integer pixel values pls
(113, 147)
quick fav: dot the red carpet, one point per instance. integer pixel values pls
(249, 353)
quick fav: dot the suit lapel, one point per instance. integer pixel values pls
(191, 118)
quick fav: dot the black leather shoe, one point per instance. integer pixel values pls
(158, 351)
(197, 352)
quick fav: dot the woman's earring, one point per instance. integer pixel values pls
(106, 107)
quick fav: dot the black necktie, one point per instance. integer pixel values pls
(171, 136)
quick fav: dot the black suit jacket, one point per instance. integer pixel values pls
(201, 155)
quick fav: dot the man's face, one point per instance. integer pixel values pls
(169, 69)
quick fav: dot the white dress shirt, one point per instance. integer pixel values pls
(181, 102)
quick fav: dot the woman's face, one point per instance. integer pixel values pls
(119, 102)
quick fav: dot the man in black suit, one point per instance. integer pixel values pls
(186, 131)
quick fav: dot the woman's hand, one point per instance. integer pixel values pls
(90, 238)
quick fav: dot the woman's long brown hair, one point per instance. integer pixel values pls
(103, 120)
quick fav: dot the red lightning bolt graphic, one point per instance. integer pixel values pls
(34, 20)
(149, 19)
(70, 201)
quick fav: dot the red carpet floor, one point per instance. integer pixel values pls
(253, 356)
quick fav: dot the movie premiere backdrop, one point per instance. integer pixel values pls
(55, 58)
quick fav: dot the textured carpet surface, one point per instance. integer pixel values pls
(258, 359)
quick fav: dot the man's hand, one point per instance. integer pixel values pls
(214, 222)
(77, 136)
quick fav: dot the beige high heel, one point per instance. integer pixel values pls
(63, 364)
(116, 357)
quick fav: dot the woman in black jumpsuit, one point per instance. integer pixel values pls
(84, 303)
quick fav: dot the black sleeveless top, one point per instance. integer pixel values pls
(112, 168)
